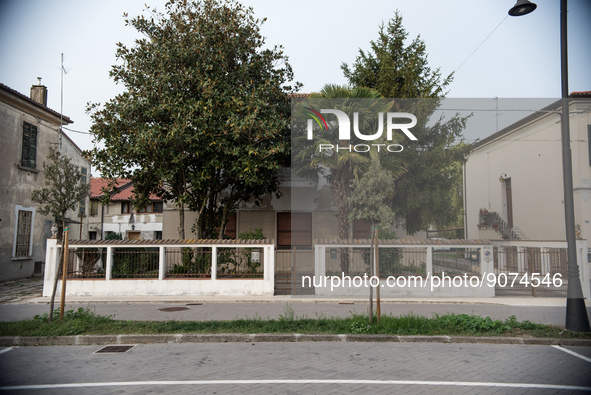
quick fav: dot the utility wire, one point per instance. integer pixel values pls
(75, 131)
(483, 41)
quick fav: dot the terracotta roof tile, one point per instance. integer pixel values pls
(128, 242)
(124, 194)
(97, 184)
(298, 95)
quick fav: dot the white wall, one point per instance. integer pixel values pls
(532, 157)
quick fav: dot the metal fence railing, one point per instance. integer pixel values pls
(188, 262)
(192, 262)
(290, 266)
(456, 261)
(240, 262)
(86, 263)
(135, 263)
(392, 261)
(531, 271)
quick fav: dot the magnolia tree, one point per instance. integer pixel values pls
(203, 119)
(63, 192)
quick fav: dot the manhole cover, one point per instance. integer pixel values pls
(113, 349)
(174, 309)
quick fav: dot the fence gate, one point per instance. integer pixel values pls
(290, 266)
(530, 271)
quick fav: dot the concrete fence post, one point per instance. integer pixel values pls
(161, 262)
(109, 269)
(214, 263)
(51, 262)
(269, 267)
(486, 261)
(429, 262)
(319, 263)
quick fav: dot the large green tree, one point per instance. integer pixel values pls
(203, 120)
(63, 192)
(398, 68)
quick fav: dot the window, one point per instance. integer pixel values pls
(94, 207)
(83, 180)
(125, 208)
(83, 174)
(154, 207)
(92, 235)
(23, 232)
(29, 153)
(146, 209)
(158, 235)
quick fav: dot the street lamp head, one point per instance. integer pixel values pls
(522, 7)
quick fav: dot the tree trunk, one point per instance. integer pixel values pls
(223, 224)
(341, 192)
(371, 271)
(57, 272)
(181, 207)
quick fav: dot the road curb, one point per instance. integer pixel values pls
(87, 340)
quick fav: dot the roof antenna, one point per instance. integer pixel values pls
(39, 79)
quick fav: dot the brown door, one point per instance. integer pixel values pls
(133, 235)
(509, 202)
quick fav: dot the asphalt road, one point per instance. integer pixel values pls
(552, 315)
(298, 368)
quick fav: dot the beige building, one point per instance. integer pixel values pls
(27, 129)
(297, 211)
(119, 215)
(303, 213)
(517, 174)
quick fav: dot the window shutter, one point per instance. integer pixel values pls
(29, 152)
(33, 150)
(26, 144)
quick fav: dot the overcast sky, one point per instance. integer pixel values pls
(520, 59)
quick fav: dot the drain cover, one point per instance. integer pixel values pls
(113, 349)
(174, 309)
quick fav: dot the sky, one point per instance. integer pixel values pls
(491, 54)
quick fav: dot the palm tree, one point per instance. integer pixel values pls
(339, 166)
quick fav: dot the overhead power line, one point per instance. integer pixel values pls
(480, 45)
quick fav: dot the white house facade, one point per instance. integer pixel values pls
(516, 174)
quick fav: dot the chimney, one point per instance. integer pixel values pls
(39, 93)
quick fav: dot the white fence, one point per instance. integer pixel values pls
(408, 268)
(235, 268)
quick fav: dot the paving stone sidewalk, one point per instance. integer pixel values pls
(19, 290)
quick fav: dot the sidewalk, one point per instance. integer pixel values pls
(21, 290)
(21, 300)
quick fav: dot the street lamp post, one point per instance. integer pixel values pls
(576, 312)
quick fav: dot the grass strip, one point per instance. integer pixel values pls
(86, 322)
